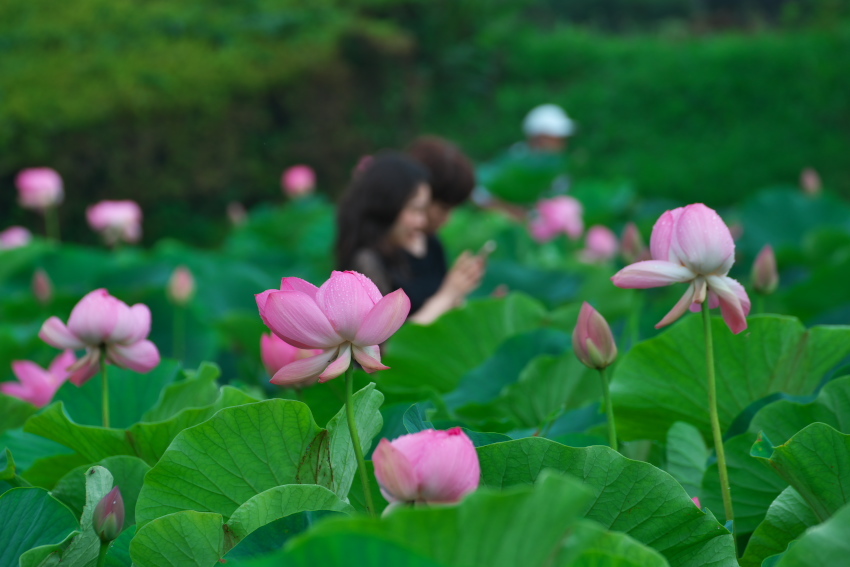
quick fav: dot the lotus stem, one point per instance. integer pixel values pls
(609, 409)
(715, 420)
(51, 223)
(105, 385)
(355, 439)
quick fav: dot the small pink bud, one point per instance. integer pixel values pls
(42, 287)
(592, 340)
(429, 466)
(181, 286)
(810, 181)
(39, 188)
(696, 501)
(765, 277)
(298, 180)
(14, 237)
(108, 518)
(633, 246)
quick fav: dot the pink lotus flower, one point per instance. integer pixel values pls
(181, 286)
(116, 221)
(697, 502)
(42, 287)
(600, 245)
(593, 342)
(429, 466)
(555, 216)
(14, 237)
(765, 276)
(692, 245)
(100, 322)
(810, 182)
(277, 353)
(108, 516)
(345, 317)
(39, 188)
(37, 385)
(298, 180)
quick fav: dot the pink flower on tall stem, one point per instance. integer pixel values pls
(429, 466)
(277, 353)
(39, 188)
(37, 385)
(104, 326)
(691, 245)
(345, 317)
(116, 221)
(181, 286)
(558, 215)
(14, 237)
(298, 180)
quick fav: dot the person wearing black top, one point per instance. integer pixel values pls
(383, 226)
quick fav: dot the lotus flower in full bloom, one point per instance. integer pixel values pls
(429, 466)
(116, 221)
(14, 237)
(345, 317)
(277, 353)
(691, 245)
(562, 214)
(37, 385)
(39, 188)
(298, 180)
(101, 323)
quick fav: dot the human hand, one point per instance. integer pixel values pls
(464, 276)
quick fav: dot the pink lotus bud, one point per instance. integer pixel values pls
(181, 286)
(558, 215)
(765, 277)
(277, 353)
(100, 322)
(592, 340)
(633, 247)
(345, 318)
(14, 237)
(108, 518)
(298, 180)
(600, 245)
(35, 384)
(42, 287)
(810, 181)
(39, 188)
(116, 221)
(236, 213)
(429, 466)
(696, 501)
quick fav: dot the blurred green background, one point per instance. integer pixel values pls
(186, 106)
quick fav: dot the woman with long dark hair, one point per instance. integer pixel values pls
(382, 227)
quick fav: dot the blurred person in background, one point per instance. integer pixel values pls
(383, 232)
(530, 170)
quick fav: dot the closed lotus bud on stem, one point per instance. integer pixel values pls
(108, 518)
(181, 286)
(765, 277)
(42, 287)
(593, 342)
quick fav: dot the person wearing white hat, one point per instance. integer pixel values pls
(547, 128)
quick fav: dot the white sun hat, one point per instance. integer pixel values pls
(548, 120)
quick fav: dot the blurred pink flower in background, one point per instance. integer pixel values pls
(600, 244)
(810, 181)
(37, 385)
(429, 466)
(236, 213)
(691, 245)
(345, 317)
(632, 245)
(42, 287)
(181, 286)
(277, 353)
(765, 276)
(116, 221)
(102, 322)
(298, 180)
(558, 215)
(593, 342)
(14, 237)
(39, 188)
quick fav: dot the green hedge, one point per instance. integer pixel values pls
(187, 106)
